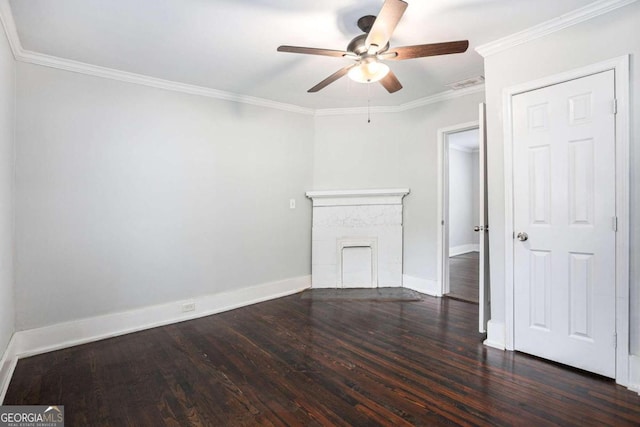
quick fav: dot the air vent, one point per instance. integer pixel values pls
(473, 81)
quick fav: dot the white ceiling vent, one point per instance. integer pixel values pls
(473, 81)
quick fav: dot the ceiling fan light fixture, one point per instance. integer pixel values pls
(370, 48)
(369, 72)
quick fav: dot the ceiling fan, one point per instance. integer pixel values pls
(372, 47)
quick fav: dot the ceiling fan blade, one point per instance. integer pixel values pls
(332, 78)
(422, 50)
(391, 82)
(313, 51)
(385, 23)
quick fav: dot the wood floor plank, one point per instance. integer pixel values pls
(464, 273)
(300, 361)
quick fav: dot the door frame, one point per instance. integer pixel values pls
(443, 203)
(620, 65)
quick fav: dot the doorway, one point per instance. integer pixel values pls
(482, 226)
(463, 183)
(472, 262)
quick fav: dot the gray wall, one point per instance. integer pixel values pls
(394, 150)
(463, 189)
(599, 39)
(129, 196)
(7, 114)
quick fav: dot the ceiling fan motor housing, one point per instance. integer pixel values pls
(359, 47)
(370, 48)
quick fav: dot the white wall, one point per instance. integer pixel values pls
(599, 39)
(7, 155)
(463, 186)
(394, 150)
(129, 196)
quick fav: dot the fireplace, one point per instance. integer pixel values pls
(357, 238)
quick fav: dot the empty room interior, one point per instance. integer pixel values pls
(361, 212)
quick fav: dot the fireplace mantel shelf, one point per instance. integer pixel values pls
(358, 197)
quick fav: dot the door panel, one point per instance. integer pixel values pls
(564, 205)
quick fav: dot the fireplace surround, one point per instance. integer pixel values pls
(357, 238)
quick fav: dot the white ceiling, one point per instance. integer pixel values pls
(230, 45)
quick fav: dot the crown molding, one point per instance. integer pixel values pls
(124, 76)
(22, 55)
(442, 96)
(577, 16)
(590, 11)
(6, 18)
(433, 99)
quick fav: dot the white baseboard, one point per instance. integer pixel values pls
(495, 335)
(464, 249)
(7, 366)
(424, 286)
(634, 373)
(62, 335)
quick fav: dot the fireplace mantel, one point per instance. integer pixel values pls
(357, 238)
(358, 197)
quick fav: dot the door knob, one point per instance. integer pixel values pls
(477, 228)
(522, 236)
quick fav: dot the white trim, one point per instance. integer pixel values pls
(62, 335)
(442, 255)
(424, 286)
(357, 197)
(9, 25)
(634, 373)
(495, 335)
(574, 17)
(620, 66)
(22, 55)
(7, 366)
(433, 99)
(124, 76)
(464, 249)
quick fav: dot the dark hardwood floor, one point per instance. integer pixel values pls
(464, 271)
(300, 361)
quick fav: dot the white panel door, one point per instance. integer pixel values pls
(564, 213)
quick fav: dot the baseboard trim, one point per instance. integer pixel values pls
(634, 373)
(464, 249)
(7, 366)
(495, 335)
(424, 286)
(62, 335)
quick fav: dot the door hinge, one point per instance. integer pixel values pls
(614, 223)
(615, 340)
(614, 106)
